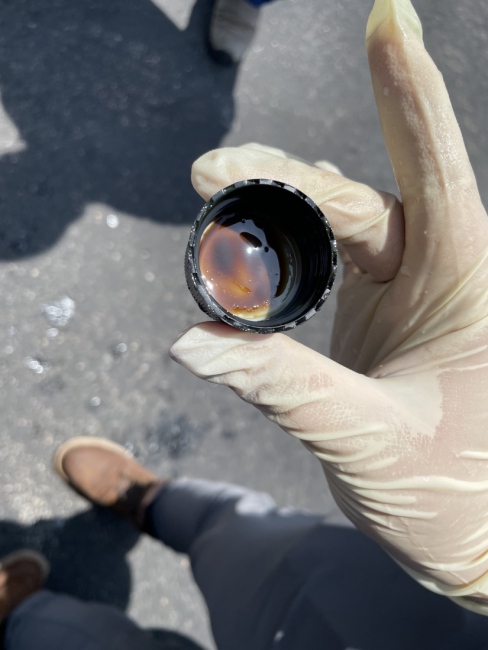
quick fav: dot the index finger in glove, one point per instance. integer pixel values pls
(439, 193)
(368, 223)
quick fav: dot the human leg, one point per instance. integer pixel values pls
(35, 619)
(276, 578)
(287, 580)
(237, 541)
(47, 621)
(236, 538)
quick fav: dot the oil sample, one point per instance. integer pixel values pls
(249, 265)
(261, 257)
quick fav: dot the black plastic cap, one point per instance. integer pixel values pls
(303, 221)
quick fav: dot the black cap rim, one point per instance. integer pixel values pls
(214, 309)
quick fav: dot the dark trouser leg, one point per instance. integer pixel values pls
(286, 580)
(48, 621)
(237, 541)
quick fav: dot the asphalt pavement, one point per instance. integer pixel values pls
(104, 107)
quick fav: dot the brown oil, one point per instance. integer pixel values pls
(249, 266)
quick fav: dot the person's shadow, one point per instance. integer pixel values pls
(87, 553)
(114, 103)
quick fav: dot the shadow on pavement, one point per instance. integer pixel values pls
(114, 103)
(87, 553)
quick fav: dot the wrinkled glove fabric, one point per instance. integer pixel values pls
(398, 415)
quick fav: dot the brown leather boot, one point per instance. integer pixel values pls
(22, 573)
(106, 474)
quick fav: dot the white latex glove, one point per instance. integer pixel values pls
(399, 417)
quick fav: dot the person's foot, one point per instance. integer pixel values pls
(22, 573)
(106, 474)
(232, 28)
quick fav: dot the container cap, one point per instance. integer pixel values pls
(292, 256)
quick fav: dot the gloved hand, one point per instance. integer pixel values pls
(398, 417)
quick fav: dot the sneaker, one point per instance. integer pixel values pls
(106, 474)
(22, 573)
(232, 29)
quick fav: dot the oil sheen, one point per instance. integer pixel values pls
(249, 266)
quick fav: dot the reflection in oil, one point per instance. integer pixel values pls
(249, 266)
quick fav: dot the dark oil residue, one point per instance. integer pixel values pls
(249, 266)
